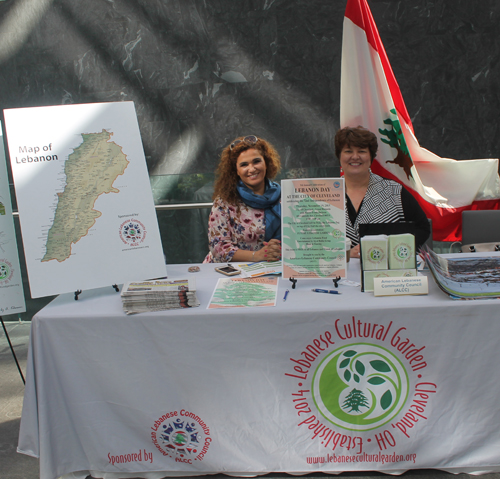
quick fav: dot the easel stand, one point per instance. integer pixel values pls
(335, 281)
(78, 292)
(12, 350)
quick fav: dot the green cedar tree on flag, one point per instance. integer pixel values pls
(370, 97)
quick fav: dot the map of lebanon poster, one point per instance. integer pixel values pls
(84, 197)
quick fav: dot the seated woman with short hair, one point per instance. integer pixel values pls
(369, 197)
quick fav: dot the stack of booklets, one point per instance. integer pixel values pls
(159, 295)
(466, 276)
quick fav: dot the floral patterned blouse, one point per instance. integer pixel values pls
(230, 229)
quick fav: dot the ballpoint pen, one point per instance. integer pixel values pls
(328, 291)
(286, 294)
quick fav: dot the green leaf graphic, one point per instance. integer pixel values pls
(386, 400)
(347, 375)
(380, 366)
(344, 363)
(376, 380)
(360, 368)
(350, 353)
(356, 378)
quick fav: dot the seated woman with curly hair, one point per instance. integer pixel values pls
(245, 221)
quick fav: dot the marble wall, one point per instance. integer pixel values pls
(202, 72)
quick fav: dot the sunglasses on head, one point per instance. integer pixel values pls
(249, 140)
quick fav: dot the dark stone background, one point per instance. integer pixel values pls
(202, 72)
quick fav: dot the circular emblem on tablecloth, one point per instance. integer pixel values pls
(360, 386)
(183, 436)
(132, 232)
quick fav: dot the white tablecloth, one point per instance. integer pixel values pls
(318, 383)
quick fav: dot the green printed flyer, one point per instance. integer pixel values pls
(244, 293)
(313, 228)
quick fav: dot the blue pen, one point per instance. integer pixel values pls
(328, 291)
(286, 294)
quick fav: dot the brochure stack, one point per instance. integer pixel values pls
(159, 295)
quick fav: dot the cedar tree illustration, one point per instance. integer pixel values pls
(396, 140)
(354, 400)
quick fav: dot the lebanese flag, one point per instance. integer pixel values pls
(370, 97)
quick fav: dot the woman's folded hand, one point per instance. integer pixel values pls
(271, 250)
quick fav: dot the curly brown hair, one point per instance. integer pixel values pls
(359, 136)
(226, 176)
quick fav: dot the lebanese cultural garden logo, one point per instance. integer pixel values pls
(360, 385)
(376, 254)
(403, 252)
(132, 232)
(183, 436)
(6, 271)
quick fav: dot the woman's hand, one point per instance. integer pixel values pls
(271, 251)
(355, 251)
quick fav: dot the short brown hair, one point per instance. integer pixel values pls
(359, 136)
(226, 175)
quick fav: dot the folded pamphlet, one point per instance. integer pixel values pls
(401, 251)
(374, 250)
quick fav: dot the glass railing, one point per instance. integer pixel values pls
(182, 206)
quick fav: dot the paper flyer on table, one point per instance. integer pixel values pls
(262, 268)
(244, 292)
(313, 228)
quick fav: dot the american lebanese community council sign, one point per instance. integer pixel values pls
(360, 391)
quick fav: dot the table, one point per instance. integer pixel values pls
(319, 382)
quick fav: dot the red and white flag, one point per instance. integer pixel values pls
(370, 97)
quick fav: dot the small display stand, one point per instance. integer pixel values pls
(386, 256)
(78, 292)
(335, 281)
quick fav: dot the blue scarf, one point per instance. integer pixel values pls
(269, 202)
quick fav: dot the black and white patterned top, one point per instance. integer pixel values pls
(385, 201)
